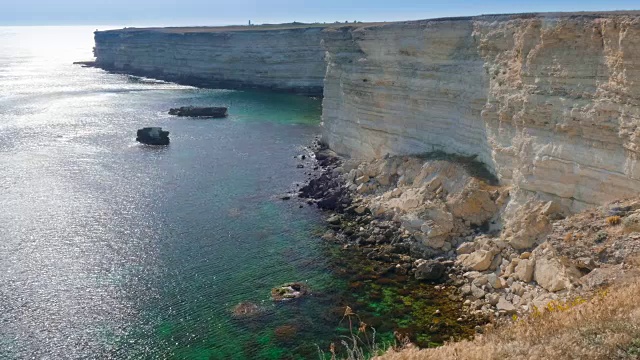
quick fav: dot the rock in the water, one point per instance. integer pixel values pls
(192, 111)
(429, 270)
(289, 291)
(152, 136)
(286, 332)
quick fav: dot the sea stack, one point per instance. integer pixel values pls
(153, 136)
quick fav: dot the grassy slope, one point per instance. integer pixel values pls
(605, 327)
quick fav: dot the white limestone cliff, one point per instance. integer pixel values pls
(550, 103)
(289, 59)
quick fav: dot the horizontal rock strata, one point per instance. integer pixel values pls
(550, 103)
(289, 60)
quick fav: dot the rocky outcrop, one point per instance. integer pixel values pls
(549, 102)
(289, 291)
(286, 59)
(152, 136)
(205, 112)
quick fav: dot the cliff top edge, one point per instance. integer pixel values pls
(305, 26)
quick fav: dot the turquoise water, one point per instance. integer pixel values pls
(110, 249)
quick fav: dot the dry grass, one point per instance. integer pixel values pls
(613, 220)
(606, 327)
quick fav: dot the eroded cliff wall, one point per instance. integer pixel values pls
(551, 103)
(289, 60)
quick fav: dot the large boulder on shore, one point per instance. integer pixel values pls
(552, 272)
(479, 260)
(193, 111)
(430, 270)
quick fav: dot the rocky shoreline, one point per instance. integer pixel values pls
(491, 265)
(383, 242)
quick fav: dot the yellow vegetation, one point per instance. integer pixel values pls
(605, 327)
(613, 220)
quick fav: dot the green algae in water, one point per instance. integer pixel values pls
(402, 306)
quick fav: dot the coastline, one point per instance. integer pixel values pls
(487, 198)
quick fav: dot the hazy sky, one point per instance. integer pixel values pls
(216, 12)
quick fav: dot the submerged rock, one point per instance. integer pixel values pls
(192, 111)
(286, 332)
(289, 291)
(247, 309)
(152, 136)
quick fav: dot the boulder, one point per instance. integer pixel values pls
(325, 154)
(479, 260)
(473, 204)
(492, 299)
(495, 263)
(477, 292)
(600, 277)
(524, 270)
(466, 248)
(193, 111)
(334, 220)
(527, 225)
(553, 274)
(505, 306)
(360, 209)
(517, 289)
(495, 281)
(430, 270)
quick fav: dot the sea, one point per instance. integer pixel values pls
(110, 249)
(113, 249)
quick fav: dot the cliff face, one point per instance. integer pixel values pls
(551, 103)
(289, 60)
